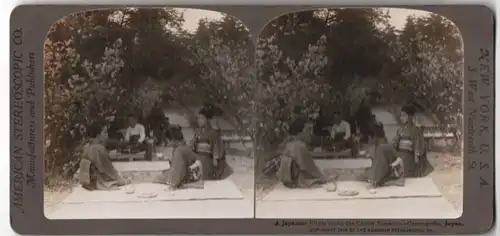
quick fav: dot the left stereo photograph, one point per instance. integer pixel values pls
(148, 115)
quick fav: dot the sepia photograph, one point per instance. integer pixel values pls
(148, 115)
(347, 113)
(359, 115)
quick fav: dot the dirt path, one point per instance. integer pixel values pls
(448, 177)
(243, 175)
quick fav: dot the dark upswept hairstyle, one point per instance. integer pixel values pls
(206, 112)
(298, 109)
(337, 114)
(214, 109)
(94, 130)
(77, 104)
(409, 109)
(297, 126)
(176, 133)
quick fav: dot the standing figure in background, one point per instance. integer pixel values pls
(156, 124)
(207, 144)
(364, 119)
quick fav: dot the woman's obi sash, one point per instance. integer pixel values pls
(203, 147)
(406, 144)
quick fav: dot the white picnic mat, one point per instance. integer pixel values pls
(213, 190)
(418, 187)
(351, 163)
(141, 166)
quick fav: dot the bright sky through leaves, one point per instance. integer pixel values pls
(192, 16)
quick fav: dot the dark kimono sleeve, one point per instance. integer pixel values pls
(217, 145)
(103, 163)
(418, 142)
(304, 154)
(182, 158)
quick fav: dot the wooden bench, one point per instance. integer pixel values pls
(331, 154)
(117, 156)
(365, 151)
(230, 136)
(434, 133)
(236, 138)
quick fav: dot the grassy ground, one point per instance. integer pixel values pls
(448, 176)
(55, 192)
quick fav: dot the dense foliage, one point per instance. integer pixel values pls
(337, 58)
(116, 62)
(120, 62)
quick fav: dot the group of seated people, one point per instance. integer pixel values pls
(203, 158)
(391, 163)
(337, 137)
(138, 137)
(345, 134)
(131, 140)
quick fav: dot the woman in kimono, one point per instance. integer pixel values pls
(96, 171)
(185, 169)
(296, 167)
(208, 146)
(405, 157)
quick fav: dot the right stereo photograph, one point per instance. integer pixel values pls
(359, 115)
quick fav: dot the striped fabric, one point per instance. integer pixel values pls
(406, 144)
(203, 147)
